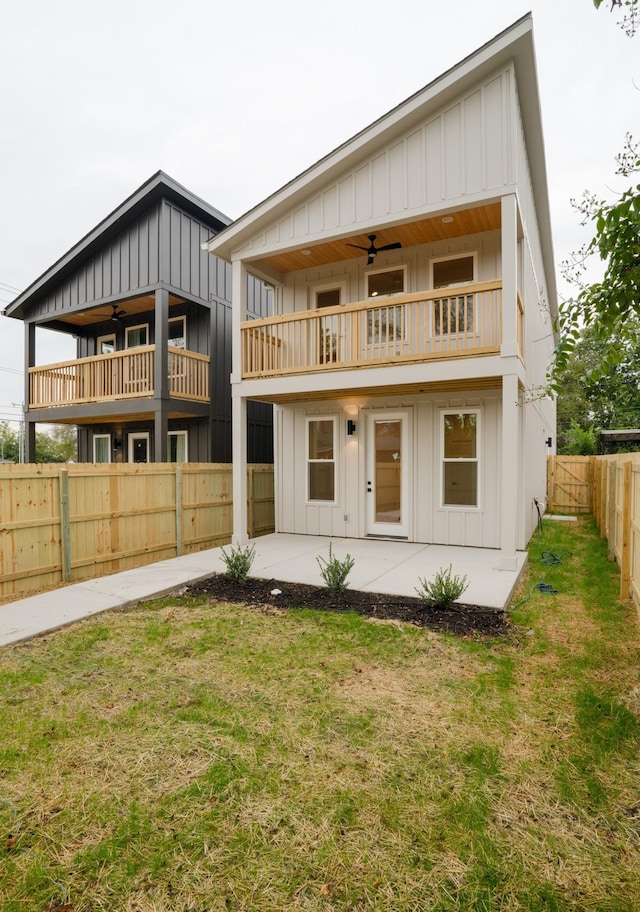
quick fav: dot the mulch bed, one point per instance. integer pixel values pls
(463, 620)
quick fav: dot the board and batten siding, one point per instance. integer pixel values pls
(346, 518)
(137, 259)
(465, 150)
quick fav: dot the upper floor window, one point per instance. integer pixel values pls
(454, 270)
(454, 313)
(382, 282)
(105, 345)
(136, 335)
(327, 294)
(385, 324)
(328, 297)
(178, 332)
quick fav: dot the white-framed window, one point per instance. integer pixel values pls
(327, 294)
(385, 326)
(460, 448)
(321, 459)
(390, 280)
(105, 345)
(177, 332)
(455, 313)
(177, 446)
(324, 333)
(139, 447)
(136, 335)
(102, 447)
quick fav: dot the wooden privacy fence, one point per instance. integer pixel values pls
(608, 487)
(568, 484)
(65, 523)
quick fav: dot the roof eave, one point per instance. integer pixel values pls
(157, 186)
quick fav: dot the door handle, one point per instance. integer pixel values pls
(369, 487)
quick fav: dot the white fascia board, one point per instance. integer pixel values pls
(385, 378)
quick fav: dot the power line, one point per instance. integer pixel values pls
(11, 288)
(12, 370)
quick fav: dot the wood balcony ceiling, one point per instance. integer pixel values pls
(409, 234)
(103, 313)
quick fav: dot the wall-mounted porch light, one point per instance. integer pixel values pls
(351, 427)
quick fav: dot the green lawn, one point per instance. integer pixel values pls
(191, 757)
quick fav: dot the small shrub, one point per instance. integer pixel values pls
(238, 562)
(335, 571)
(444, 590)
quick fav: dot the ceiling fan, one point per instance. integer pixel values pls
(372, 251)
(117, 315)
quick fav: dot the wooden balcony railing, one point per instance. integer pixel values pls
(120, 375)
(392, 330)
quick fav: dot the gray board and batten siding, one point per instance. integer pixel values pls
(151, 241)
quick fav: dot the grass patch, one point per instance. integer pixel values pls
(189, 756)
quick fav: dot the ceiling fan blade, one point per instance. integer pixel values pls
(391, 246)
(357, 246)
(371, 259)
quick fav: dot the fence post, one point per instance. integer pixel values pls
(251, 505)
(65, 526)
(625, 558)
(179, 543)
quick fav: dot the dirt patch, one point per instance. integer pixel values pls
(463, 620)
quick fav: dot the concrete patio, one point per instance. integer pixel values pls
(390, 567)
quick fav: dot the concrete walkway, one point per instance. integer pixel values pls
(390, 567)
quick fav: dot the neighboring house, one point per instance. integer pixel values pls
(151, 313)
(415, 295)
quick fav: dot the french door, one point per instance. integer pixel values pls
(388, 473)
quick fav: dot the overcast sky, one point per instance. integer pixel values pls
(233, 99)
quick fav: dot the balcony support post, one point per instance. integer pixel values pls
(161, 376)
(239, 408)
(509, 276)
(29, 451)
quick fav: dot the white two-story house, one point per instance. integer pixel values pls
(415, 297)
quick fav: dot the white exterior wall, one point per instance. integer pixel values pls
(430, 521)
(538, 411)
(460, 155)
(297, 292)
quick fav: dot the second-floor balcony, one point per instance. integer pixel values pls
(452, 323)
(120, 375)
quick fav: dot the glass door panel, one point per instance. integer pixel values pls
(387, 474)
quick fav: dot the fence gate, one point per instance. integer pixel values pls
(568, 487)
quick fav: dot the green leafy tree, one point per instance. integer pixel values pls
(9, 442)
(592, 401)
(57, 445)
(630, 14)
(610, 304)
(580, 441)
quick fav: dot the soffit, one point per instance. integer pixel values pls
(409, 234)
(102, 313)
